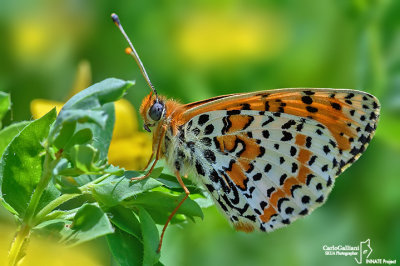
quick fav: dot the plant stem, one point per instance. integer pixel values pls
(66, 197)
(40, 216)
(17, 247)
(41, 186)
(16, 250)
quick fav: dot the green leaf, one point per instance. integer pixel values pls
(156, 172)
(106, 91)
(62, 165)
(150, 238)
(64, 135)
(127, 250)
(172, 183)
(68, 179)
(21, 163)
(55, 229)
(89, 222)
(8, 133)
(8, 207)
(49, 194)
(98, 117)
(60, 214)
(66, 184)
(114, 170)
(114, 190)
(85, 158)
(204, 202)
(103, 135)
(92, 109)
(82, 136)
(160, 205)
(5, 104)
(126, 220)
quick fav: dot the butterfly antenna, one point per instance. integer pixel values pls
(131, 51)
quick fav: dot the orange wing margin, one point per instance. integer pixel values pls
(323, 105)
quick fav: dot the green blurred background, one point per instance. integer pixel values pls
(196, 49)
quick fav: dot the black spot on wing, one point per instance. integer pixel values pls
(227, 124)
(308, 92)
(280, 201)
(308, 142)
(312, 160)
(199, 168)
(307, 99)
(282, 179)
(293, 151)
(336, 106)
(195, 131)
(305, 199)
(210, 156)
(269, 191)
(269, 120)
(206, 141)
(245, 106)
(209, 129)
(203, 119)
(311, 109)
(286, 136)
(265, 134)
(293, 188)
(267, 167)
(288, 124)
(257, 177)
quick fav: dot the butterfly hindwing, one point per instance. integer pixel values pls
(276, 159)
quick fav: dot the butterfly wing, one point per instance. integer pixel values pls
(268, 158)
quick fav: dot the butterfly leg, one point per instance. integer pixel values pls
(149, 161)
(187, 192)
(163, 130)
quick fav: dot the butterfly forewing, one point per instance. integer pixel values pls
(270, 157)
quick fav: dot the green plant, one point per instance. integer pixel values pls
(51, 165)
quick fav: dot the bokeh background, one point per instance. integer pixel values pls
(198, 49)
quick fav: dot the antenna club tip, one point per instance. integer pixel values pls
(128, 50)
(115, 18)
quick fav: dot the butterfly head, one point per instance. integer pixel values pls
(152, 111)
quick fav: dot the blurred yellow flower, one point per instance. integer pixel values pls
(43, 36)
(31, 38)
(129, 147)
(42, 252)
(208, 37)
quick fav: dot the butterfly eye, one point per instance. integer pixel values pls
(156, 111)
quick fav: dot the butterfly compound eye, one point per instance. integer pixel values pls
(156, 111)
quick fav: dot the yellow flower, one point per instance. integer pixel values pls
(129, 147)
(206, 37)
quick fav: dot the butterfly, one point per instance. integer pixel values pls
(266, 158)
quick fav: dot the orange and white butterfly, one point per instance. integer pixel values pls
(267, 158)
